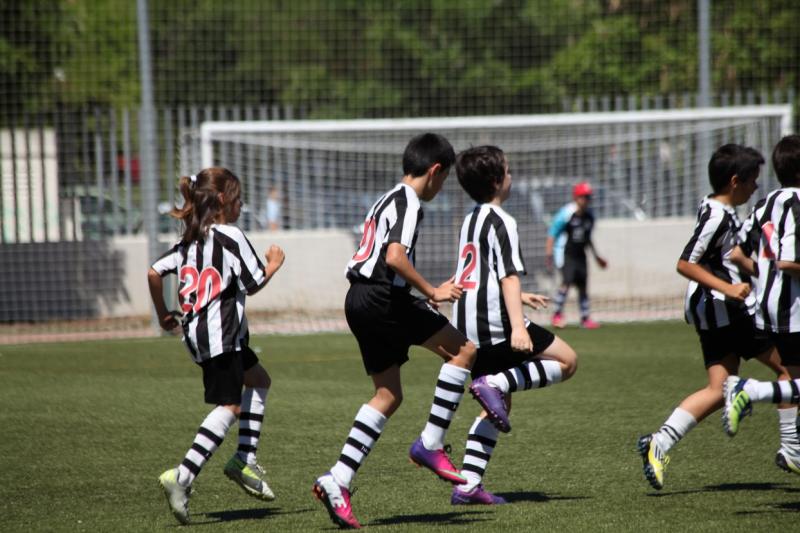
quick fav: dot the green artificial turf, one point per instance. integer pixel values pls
(88, 427)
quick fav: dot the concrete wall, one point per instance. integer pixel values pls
(641, 254)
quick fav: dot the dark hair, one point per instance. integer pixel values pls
(786, 160)
(424, 151)
(732, 160)
(480, 170)
(201, 205)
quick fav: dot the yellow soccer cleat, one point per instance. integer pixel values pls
(654, 461)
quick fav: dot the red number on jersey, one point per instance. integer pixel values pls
(470, 253)
(367, 241)
(768, 230)
(207, 284)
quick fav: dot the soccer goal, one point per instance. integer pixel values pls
(647, 168)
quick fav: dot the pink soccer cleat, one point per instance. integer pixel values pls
(477, 496)
(558, 321)
(436, 461)
(588, 323)
(336, 500)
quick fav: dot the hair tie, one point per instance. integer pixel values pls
(193, 178)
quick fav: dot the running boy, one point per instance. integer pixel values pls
(718, 301)
(778, 306)
(514, 354)
(216, 268)
(569, 236)
(386, 320)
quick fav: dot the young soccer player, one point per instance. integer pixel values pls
(216, 268)
(386, 320)
(569, 236)
(514, 354)
(718, 301)
(775, 222)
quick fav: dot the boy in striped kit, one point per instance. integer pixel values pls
(774, 228)
(514, 354)
(217, 269)
(719, 302)
(386, 320)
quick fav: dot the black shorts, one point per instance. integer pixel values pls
(498, 357)
(223, 376)
(788, 345)
(574, 271)
(386, 322)
(740, 338)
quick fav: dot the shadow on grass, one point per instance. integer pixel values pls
(529, 496)
(245, 514)
(729, 487)
(446, 519)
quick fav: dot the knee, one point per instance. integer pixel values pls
(257, 378)
(468, 354)
(569, 364)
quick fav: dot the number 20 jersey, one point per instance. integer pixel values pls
(488, 251)
(214, 277)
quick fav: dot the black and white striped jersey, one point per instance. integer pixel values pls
(488, 252)
(716, 234)
(395, 217)
(214, 277)
(774, 223)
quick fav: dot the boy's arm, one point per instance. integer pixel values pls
(695, 272)
(601, 261)
(512, 294)
(398, 261)
(790, 267)
(741, 260)
(166, 318)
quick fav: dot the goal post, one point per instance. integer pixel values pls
(648, 170)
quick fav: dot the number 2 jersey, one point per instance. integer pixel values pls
(214, 277)
(488, 251)
(771, 231)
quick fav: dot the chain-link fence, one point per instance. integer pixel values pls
(73, 179)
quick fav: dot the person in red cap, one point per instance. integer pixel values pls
(569, 236)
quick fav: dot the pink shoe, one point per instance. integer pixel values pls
(336, 500)
(558, 321)
(436, 461)
(588, 323)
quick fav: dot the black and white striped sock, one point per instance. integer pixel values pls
(366, 430)
(250, 420)
(208, 438)
(481, 441)
(532, 374)
(446, 397)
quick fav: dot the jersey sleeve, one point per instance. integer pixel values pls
(248, 267)
(560, 221)
(507, 251)
(169, 262)
(749, 234)
(789, 245)
(405, 225)
(703, 237)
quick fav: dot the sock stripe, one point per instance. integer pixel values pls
(512, 383)
(477, 454)
(526, 375)
(671, 431)
(452, 387)
(246, 448)
(473, 468)
(202, 451)
(486, 441)
(360, 446)
(540, 370)
(795, 392)
(207, 433)
(441, 402)
(349, 461)
(190, 466)
(366, 429)
(777, 397)
(251, 416)
(250, 433)
(438, 421)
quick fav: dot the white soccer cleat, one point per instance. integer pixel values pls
(177, 495)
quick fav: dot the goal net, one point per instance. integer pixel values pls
(648, 170)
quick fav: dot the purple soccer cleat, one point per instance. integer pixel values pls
(336, 500)
(437, 461)
(476, 496)
(492, 401)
